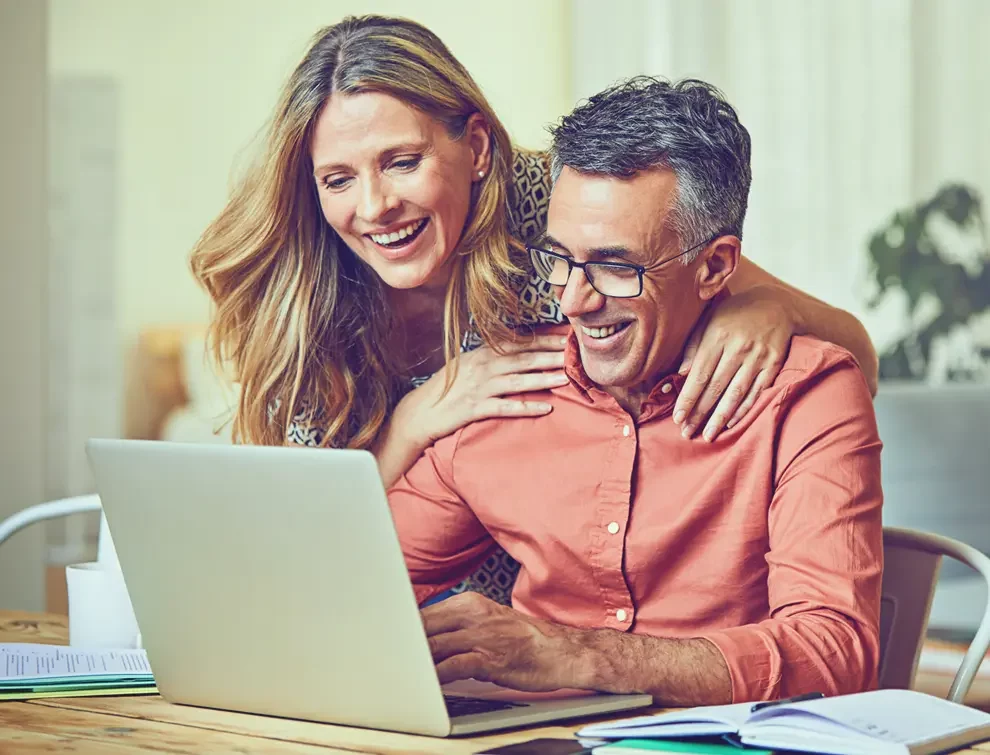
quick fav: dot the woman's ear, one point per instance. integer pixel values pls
(718, 262)
(479, 139)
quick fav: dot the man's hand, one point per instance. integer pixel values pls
(472, 637)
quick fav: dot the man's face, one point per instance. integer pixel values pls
(625, 344)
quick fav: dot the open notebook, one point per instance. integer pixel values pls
(29, 670)
(882, 722)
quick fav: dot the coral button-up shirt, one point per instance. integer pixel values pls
(767, 542)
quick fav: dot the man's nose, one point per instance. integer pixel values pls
(578, 297)
(377, 201)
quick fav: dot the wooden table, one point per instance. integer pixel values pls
(114, 725)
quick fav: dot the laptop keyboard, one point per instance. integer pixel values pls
(467, 706)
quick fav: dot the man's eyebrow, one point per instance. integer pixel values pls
(598, 252)
(616, 250)
(548, 240)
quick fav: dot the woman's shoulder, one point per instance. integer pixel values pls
(530, 194)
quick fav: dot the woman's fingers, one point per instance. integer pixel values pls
(535, 343)
(716, 385)
(754, 392)
(526, 361)
(690, 351)
(739, 388)
(507, 407)
(521, 382)
(702, 368)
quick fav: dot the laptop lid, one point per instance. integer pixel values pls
(229, 553)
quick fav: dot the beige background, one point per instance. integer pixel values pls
(197, 81)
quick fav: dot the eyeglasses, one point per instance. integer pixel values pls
(618, 280)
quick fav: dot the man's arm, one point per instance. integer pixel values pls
(441, 538)
(826, 548)
(814, 317)
(472, 637)
(824, 582)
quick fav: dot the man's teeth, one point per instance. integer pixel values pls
(602, 332)
(391, 238)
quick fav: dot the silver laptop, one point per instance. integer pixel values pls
(271, 580)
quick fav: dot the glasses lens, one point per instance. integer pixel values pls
(551, 268)
(617, 281)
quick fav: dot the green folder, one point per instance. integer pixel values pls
(702, 747)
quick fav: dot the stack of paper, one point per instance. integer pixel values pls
(28, 671)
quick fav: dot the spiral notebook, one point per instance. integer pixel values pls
(30, 670)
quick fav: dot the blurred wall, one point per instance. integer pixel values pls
(197, 81)
(858, 110)
(23, 300)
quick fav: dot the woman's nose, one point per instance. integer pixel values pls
(377, 201)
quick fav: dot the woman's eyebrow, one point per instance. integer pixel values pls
(383, 156)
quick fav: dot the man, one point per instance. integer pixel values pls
(747, 568)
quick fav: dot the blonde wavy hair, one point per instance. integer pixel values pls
(302, 322)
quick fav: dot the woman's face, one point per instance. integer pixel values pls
(394, 185)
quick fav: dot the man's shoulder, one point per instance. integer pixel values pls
(810, 359)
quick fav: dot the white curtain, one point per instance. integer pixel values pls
(857, 108)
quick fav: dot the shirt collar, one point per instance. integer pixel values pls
(661, 398)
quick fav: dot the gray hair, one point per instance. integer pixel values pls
(686, 127)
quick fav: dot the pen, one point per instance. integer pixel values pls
(784, 701)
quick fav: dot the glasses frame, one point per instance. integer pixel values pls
(639, 269)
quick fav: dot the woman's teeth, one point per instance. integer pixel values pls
(391, 238)
(604, 332)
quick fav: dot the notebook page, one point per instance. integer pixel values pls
(712, 719)
(20, 661)
(889, 715)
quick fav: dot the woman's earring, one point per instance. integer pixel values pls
(481, 174)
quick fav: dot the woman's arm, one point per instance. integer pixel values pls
(814, 317)
(740, 345)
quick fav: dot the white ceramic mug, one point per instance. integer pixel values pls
(100, 611)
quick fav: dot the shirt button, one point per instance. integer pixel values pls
(625, 431)
(620, 614)
(613, 527)
(666, 388)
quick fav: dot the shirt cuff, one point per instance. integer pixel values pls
(753, 661)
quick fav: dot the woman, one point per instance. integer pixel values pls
(381, 234)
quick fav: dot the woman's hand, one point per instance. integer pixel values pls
(732, 355)
(482, 388)
(483, 383)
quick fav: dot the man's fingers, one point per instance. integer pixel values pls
(442, 617)
(733, 397)
(447, 644)
(695, 384)
(465, 666)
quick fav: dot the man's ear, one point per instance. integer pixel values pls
(479, 138)
(718, 262)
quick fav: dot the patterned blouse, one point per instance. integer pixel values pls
(527, 219)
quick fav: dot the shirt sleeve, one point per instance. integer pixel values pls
(441, 538)
(826, 549)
